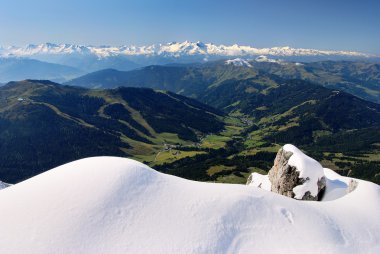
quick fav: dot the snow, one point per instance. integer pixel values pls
(266, 59)
(308, 169)
(117, 205)
(238, 62)
(336, 185)
(260, 181)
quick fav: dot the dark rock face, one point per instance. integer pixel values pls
(284, 178)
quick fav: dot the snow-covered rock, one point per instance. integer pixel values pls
(116, 205)
(296, 175)
(336, 186)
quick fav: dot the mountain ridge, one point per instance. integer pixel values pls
(44, 124)
(361, 79)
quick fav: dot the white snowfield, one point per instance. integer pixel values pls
(116, 205)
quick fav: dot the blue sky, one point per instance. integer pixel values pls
(322, 24)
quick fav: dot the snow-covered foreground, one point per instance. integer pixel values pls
(115, 205)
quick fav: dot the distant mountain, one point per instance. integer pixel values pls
(44, 124)
(189, 80)
(93, 58)
(12, 69)
(361, 79)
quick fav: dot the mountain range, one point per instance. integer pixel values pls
(174, 49)
(241, 115)
(62, 62)
(93, 58)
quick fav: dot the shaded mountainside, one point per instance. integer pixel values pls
(44, 124)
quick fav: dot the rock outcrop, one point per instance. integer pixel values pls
(296, 175)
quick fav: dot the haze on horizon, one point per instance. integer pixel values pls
(332, 25)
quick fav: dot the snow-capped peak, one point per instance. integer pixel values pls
(175, 49)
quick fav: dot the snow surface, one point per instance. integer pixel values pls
(336, 185)
(308, 168)
(116, 205)
(260, 181)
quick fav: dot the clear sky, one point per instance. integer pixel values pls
(320, 24)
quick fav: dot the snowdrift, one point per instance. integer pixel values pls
(116, 205)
